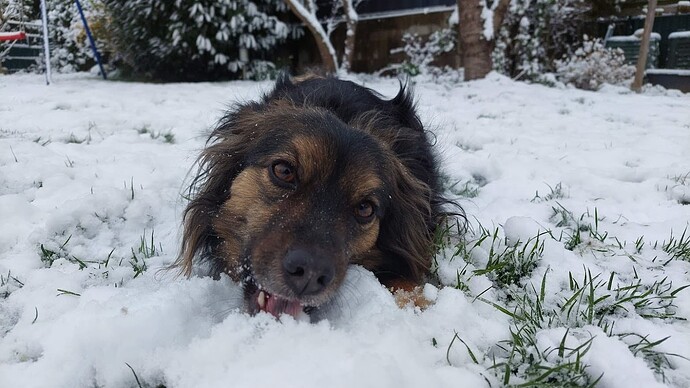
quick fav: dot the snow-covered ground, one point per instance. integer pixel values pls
(587, 193)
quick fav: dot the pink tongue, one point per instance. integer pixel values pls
(277, 306)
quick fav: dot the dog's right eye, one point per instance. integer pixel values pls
(283, 174)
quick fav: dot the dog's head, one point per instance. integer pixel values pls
(289, 195)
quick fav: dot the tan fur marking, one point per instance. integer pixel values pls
(365, 241)
(242, 215)
(313, 159)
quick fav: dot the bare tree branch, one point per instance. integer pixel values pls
(351, 19)
(306, 12)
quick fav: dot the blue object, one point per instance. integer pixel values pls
(91, 41)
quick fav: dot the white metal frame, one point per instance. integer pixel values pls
(46, 43)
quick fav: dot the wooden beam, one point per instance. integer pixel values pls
(644, 46)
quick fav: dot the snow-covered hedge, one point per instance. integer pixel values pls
(196, 39)
(70, 49)
(593, 65)
(535, 34)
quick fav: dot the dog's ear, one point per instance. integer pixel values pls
(218, 165)
(404, 107)
(406, 231)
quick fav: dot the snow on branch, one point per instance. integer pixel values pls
(493, 15)
(306, 10)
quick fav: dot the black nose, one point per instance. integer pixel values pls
(306, 273)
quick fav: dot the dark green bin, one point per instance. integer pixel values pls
(631, 49)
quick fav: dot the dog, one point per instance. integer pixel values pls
(319, 174)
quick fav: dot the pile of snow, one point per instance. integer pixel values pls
(91, 177)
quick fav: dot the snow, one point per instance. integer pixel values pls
(488, 16)
(454, 18)
(633, 38)
(679, 34)
(351, 10)
(86, 170)
(681, 72)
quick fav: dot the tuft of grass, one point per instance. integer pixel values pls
(73, 139)
(468, 189)
(167, 137)
(520, 357)
(641, 346)
(144, 129)
(578, 230)
(678, 247)
(555, 192)
(9, 284)
(69, 163)
(49, 256)
(508, 263)
(596, 301)
(562, 217)
(42, 142)
(146, 250)
(679, 180)
(535, 367)
(682, 179)
(447, 235)
(593, 298)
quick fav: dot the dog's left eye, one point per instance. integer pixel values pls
(283, 173)
(364, 212)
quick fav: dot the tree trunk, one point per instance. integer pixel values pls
(475, 45)
(351, 19)
(308, 17)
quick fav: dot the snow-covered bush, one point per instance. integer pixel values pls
(420, 53)
(196, 39)
(593, 65)
(10, 10)
(70, 49)
(535, 34)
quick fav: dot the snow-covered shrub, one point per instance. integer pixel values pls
(196, 39)
(420, 53)
(593, 65)
(10, 10)
(70, 48)
(535, 34)
(259, 70)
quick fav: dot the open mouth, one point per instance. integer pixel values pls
(261, 300)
